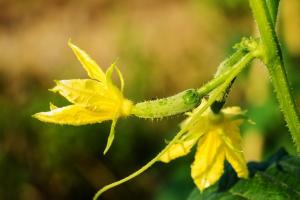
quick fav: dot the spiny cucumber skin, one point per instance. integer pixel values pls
(169, 106)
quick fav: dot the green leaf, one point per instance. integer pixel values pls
(213, 194)
(265, 186)
(278, 178)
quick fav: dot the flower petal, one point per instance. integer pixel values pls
(179, 149)
(235, 110)
(209, 160)
(238, 162)
(111, 136)
(234, 114)
(52, 106)
(73, 115)
(87, 92)
(234, 150)
(92, 68)
(109, 73)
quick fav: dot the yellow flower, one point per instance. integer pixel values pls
(93, 100)
(218, 138)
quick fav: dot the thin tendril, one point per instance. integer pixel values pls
(141, 170)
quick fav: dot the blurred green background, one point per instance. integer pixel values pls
(162, 47)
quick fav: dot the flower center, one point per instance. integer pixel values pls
(216, 118)
(126, 107)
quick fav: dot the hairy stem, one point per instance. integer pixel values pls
(274, 62)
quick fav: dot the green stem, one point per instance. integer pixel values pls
(266, 29)
(230, 62)
(274, 62)
(224, 66)
(236, 69)
(273, 9)
(141, 170)
(245, 46)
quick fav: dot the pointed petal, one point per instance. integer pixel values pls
(72, 115)
(91, 67)
(52, 106)
(231, 135)
(238, 162)
(121, 78)
(179, 149)
(86, 92)
(111, 136)
(108, 74)
(211, 175)
(234, 151)
(209, 161)
(109, 82)
(109, 71)
(233, 110)
(234, 113)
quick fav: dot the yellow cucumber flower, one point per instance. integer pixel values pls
(218, 138)
(93, 100)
